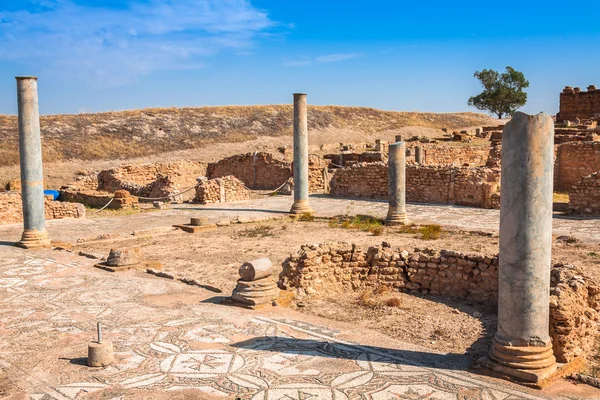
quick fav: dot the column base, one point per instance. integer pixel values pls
(526, 364)
(32, 239)
(301, 207)
(396, 220)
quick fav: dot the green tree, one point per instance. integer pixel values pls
(502, 93)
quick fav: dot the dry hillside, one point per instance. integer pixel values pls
(140, 133)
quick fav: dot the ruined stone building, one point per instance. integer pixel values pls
(577, 104)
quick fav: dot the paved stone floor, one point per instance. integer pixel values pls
(587, 230)
(169, 336)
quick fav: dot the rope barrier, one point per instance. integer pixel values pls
(335, 165)
(106, 205)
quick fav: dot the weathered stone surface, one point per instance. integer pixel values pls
(125, 257)
(336, 268)
(221, 190)
(256, 293)
(256, 269)
(11, 209)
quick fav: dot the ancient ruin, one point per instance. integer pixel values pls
(575, 104)
(451, 290)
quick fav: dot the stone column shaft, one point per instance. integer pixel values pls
(32, 175)
(418, 155)
(300, 205)
(396, 184)
(522, 344)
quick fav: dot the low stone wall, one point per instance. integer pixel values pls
(97, 199)
(347, 159)
(336, 268)
(584, 197)
(574, 161)
(449, 154)
(258, 171)
(220, 190)
(11, 209)
(425, 184)
(153, 180)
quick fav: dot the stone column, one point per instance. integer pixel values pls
(522, 347)
(300, 205)
(32, 175)
(418, 155)
(396, 184)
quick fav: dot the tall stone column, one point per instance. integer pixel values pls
(396, 184)
(300, 205)
(32, 175)
(522, 346)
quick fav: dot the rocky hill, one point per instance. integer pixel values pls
(137, 133)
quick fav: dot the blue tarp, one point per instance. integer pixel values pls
(53, 193)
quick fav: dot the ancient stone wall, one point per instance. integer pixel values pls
(220, 190)
(449, 154)
(346, 159)
(424, 184)
(574, 161)
(584, 197)
(577, 104)
(153, 180)
(11, 209)
(336, 268)
(97, 199)
(258, 171)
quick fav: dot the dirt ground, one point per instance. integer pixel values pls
(435, 322)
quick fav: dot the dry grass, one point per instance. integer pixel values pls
(365, 223)
(560, 197)
(379, 298)
(128, 134)
(430, 232)
(256, 232)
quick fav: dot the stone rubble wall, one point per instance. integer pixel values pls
(337, 268)
(258, 171)
(11, 209)
(447, 154)
(574, 161)
(98, 199)
(584, 197)
(346, 159)
(153, 180)
(575, 104)
(220, 190)
(424, 184)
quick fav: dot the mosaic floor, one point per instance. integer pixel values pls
(52, 300)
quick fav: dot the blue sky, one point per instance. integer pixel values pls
(112, 55)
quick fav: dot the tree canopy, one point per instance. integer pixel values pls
(502, 92)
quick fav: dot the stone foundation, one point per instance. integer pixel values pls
(11, 209)
(584, 197)
(424, 184)
(336, 268)
(220, 190)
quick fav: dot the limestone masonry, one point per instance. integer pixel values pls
(258, 171)
(336, 268)
(424, 184)
(153, 180)
(575, 104)
(11, 209)
(220, 190)
(584, 197)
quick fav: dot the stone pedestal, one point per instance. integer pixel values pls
(522, 346)
(100, 354)
(396, 184)
(32, 175)
(261, 292)
(300, 205)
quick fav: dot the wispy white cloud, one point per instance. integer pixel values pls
(329, 58)
(117, 46)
